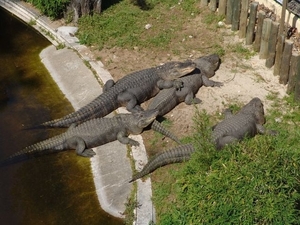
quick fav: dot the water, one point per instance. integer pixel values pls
(52, 189)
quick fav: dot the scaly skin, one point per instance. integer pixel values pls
(168, 99)
(178, 154)
(90, 134)
(246, 123)
(129, 91)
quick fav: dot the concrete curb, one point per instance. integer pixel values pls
(108, 192)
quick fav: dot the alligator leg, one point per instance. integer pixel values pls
(262, 130)
(108, 85)
(122, 137)
(210, 83)
(130, 99)
(225, 141)
(187, 94)
(165, 84)
(78, 144)
(190, 99)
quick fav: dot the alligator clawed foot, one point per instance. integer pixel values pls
(134, 143)
(178, 84)
(88, 153)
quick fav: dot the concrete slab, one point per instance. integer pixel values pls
(111, 166)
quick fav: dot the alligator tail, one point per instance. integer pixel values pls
(158, 127)
(178, 154)
(99, 107)
(40, 148)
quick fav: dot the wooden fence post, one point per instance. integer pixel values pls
(243, 18)
(282, 19)
(261, 17)
(229, 11)
(295, 60)
(285, 62)
(204, 2)
(297, 83)
(265, 36)
(251, 24)
(279, 51)
(222, 7)
(236, 10)
(272, 44)
(213, 5)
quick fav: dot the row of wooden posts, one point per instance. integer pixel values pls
(267, 37)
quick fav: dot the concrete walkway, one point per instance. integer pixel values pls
(111, 167)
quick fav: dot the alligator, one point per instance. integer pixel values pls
(168, 99)
(90, 134)
(129, 91)
(246, 123)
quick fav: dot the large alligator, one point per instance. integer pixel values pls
(89, 134)
(168, 99)
(246, 123)
(129, 91)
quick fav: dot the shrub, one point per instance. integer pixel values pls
(52, 8)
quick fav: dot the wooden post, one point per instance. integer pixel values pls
(297, 83)
(213, 5)
(261, 17)
(251, 25)
(279, 51)
(282, 19)
(285, 62)
(236, 10)
(295, 60)
(265, 36)
(204, 2)
(229, 11)
(243, 18)
(222, 7)
(272, 44)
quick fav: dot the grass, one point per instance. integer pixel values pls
(123, 24)
(253, 182)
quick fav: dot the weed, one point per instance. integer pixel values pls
(32, 22)
(211, 18)
(241, 50)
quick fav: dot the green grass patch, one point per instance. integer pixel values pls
(252, 182)
(123, 24)
(242, 50)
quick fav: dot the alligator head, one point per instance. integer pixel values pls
(173, 70)
(208, 64)
(144, 118)
(255, 107)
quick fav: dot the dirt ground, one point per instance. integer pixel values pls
(243, 78)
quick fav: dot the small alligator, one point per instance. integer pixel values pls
(168, 99)
(129, 91)
(246, 123)
(89, 134)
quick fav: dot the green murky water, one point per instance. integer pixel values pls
(52, 189)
